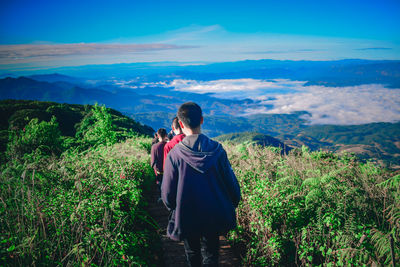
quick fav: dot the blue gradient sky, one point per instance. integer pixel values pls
(97, 32)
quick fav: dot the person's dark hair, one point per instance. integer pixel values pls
(170, 135)
(155, 139)
(190, 114)
(162, 132)
(175, 124)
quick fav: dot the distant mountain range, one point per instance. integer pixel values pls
(125, 100)
(55, 77)
(156, 106)
(328, 73)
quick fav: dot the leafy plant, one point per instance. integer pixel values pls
(97, 128)
(44, 137)
(313, 208)
(66, 205)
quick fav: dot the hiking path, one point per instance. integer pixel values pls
(174, 252)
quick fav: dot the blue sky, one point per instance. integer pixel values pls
(40, 34)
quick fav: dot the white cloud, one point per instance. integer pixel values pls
(341, 105)
(214, 43)
(24, 52)
(236, 88)
(207, 43)
(328, 105)
(191, 33)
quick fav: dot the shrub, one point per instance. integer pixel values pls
(97, 128)
(43, 137)
(313, 208)
(84, 208)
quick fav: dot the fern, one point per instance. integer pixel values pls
(320, 222)
(315, 209)
(350, 225)
(312, 182)
(382, 244)
(392, 183)
(313, 197)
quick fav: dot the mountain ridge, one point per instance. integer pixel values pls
(346, 72)
(158, 108)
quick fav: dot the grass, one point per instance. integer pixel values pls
(84, 207)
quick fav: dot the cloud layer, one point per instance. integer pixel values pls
(327, 105)
(9, 53)
(212, 43)
(374, 48)
(236, 88)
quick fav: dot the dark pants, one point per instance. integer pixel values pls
(205, 246)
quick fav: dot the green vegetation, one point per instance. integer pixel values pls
(313, 208)
(379, 141)
(75, 200)
(72, 120)
(17, 113)
(254, 138)
(74, 179)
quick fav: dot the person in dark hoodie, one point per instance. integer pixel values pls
(200, 189)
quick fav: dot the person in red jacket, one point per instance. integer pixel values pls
(179, 135)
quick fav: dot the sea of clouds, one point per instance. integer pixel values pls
(327, 105)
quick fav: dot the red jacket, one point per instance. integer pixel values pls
(168, 146)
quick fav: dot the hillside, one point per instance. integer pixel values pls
(254, 138)
(55, 77)
(83, 198)
(15, 114)
(77, 199)
(379, 141)
(125, 100)
(23, 88)
(217, 124)
(314, 209)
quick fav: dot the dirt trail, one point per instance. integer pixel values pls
(174, 252)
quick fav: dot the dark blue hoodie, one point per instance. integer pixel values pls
(199, 186)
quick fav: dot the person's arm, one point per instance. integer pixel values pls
(166, 150)
(158, 159)
(152, 156)
(230, 180)
(169, 184)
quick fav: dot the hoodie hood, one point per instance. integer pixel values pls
(199, 151)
